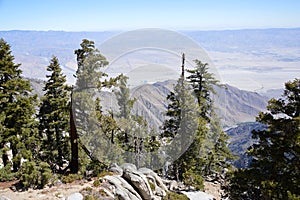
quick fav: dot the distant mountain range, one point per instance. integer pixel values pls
(255, 60)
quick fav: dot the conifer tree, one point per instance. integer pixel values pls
(208, 151)
(134, 135)
(218, 155)
(202, 83)
(123, 97)
(125, 104)
(180, 126)
(89, 82)
(18, 126)
(54, 118)
(212, 139)
(274, 172)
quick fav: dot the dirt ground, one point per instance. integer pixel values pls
(49, 193)
(62, 191)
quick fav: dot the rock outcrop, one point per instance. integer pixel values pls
(129, 183)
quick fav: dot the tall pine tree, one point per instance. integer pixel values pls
(54, 118)
(90, 80)
(208, 151)
(17, 109)
(180, 126)
(214, 151)
(135, 135)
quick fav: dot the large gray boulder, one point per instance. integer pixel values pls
(116, 169)
(128, 166)
(158, 180)
(139, 181)
(122, 188)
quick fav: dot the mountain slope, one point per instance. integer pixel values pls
(233, 105)
(241, 140)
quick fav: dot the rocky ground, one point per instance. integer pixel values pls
(125, 182)
(57, 192)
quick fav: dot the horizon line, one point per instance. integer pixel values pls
(125, 30)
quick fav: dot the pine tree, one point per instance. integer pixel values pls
(213, 141)
(125, 105)
(123, 97)
(202, 83)
(217, 151)
(134, 135)
(17, 109)
(89, 82)
(208, 152)
(89, 60)
(173, 114)
(274, 172)
(180, 127)
(54, 118)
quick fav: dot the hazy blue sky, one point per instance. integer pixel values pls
(99, 15)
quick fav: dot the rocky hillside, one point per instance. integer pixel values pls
(236, 106)
(233, 105)
(240, 140)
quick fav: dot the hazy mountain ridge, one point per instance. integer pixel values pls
(233, 105)
(233, 40)
(248, 59)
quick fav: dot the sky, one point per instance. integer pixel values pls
(101, 15)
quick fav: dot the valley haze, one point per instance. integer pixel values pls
(257, 60)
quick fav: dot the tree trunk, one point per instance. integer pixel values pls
(16, 163)
(59, 148)
(74, 166)
(176, 172)
(5, 159)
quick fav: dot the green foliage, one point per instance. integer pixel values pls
(175, 196)
(180, 127)
(190, 103)
(293, 196)
(216, 150)
(6, 173)
(90, 197)
(274, 172)
(34, 175)
(152, 185)
(90, 80)
(17, 109)
(202, 83)
(171, 125)
(96, 167)
(104, 173)
(96, 183)
(88, 189)
(132, 134)
(71, 178)
(54, 118)
(192, 178)
(211, 141)
(123, 97)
